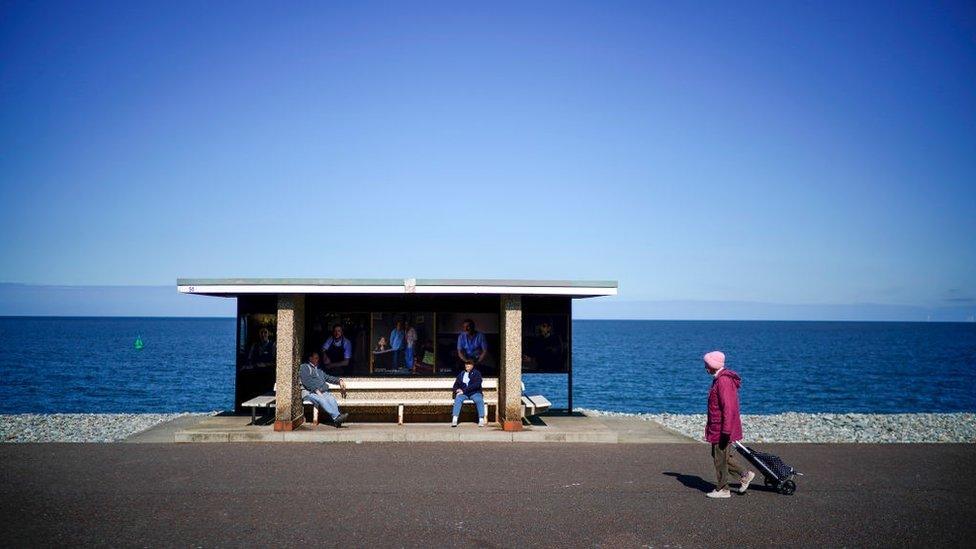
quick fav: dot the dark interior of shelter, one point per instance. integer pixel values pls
(398, 336)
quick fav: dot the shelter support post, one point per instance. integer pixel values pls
(509, 409)
(569, 352)
(289, 412)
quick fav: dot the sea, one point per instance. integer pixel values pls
(91, 365)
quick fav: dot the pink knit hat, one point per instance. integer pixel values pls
(714, 360)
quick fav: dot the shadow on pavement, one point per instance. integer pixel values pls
(693, 481)
(561, 412)
(702, 485)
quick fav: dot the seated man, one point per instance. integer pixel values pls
(315, 381)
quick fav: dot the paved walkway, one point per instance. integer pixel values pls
(553, 428)
(166, 432)
(488, 494)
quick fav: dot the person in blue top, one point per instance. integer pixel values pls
(471, 346)
(336, 351)
(397, 340)
(468, 386)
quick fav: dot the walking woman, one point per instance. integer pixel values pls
(724, 426)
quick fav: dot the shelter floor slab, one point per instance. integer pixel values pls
(547, 428)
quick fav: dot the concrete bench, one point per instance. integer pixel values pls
(439, 402)
(403, 393)
(267, 400)
(534, 405)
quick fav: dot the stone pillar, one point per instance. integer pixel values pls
(289, 412)
(510, 364)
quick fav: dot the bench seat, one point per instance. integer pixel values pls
(267, 400)
(535, 405)
(383, 392)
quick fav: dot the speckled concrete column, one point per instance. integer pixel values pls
(289, 413)
(510, 364)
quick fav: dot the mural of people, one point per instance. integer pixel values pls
(336, 351)
(382, 354)
(471, 345)
(263, 351)
(397, 344)
(545, 350)
(411, 342)
(403, 333)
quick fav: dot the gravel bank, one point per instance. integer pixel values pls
(797, 427)
(788, 427)
(77, 427)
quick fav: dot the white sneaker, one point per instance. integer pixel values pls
(454, 421)
(481, 423)
(745, 482)
(719, 494)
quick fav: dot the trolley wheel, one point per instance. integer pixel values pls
(787, 488)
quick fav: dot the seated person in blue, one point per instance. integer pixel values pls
(336, 351)
(315, 383)
(468, 386)
(471, 346)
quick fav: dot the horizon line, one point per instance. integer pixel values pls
(202, 317)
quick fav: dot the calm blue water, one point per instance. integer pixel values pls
(90, 365)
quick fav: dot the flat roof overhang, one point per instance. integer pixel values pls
(230, 287)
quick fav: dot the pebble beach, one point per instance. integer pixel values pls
(787, 427)
(814, 428)
(78, 427)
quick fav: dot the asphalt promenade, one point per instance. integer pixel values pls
(476, 494)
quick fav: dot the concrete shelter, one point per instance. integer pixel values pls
(399, 330)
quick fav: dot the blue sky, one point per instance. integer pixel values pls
(796, 153)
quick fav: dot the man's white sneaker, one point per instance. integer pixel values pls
(745, 482)
(719, 494)
(481, 423)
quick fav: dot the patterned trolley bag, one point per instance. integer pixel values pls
(776, 473)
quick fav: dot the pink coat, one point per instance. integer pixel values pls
(723, 408)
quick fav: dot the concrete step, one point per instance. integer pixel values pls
(575, 428)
